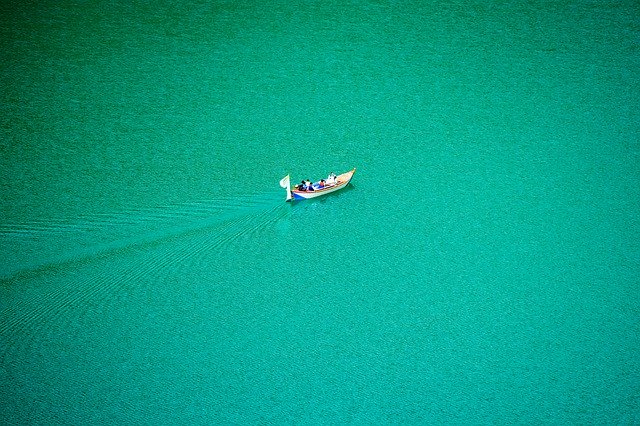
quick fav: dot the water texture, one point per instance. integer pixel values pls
(483, 267)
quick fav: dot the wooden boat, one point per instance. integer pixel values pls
(330, 185)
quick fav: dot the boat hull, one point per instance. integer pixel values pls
(341, 182)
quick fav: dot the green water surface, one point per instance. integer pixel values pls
(483, 267)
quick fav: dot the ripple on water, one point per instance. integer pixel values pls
(33, 305)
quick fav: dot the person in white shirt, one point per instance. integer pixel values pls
(331, 180)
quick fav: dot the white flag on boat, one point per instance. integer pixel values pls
(284, 182)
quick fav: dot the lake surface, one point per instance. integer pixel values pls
(483, 267)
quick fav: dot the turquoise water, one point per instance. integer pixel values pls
(483, 267)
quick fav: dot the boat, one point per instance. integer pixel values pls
(323, 187)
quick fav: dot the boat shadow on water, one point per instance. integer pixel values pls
(329, 198)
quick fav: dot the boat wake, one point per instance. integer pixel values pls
(37, 245)
(58, 271)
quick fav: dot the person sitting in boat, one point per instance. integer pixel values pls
(331, 180)
(300, 186)
(308, 185)
(321, 184)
